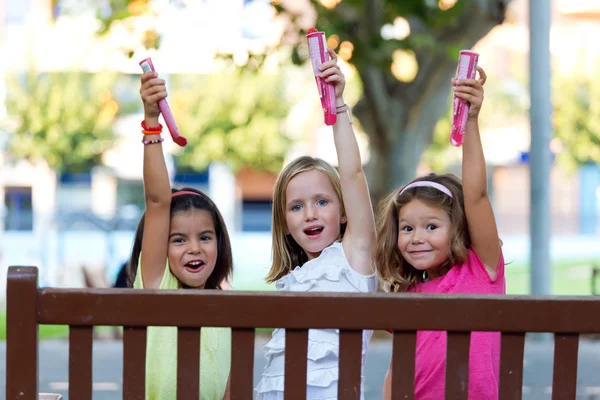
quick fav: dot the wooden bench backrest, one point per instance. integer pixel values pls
(82, 309)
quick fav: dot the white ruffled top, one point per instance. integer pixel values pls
(330, 272)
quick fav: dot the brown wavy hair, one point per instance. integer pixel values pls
(396, 274)
(288, 254)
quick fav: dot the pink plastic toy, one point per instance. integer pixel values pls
(165, 110)
(317, 47)
(467, 68)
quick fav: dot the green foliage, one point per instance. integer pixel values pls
(233, 116)
(438, 29)
(505, 104)
(440, 154)
(62, 118)
(577, 118)
(360, 22)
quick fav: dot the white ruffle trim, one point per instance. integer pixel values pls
(331, 265)
(321, 344)
(324, 380)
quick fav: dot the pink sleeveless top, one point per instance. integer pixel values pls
(469, 277)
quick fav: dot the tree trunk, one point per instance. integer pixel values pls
(400, 118)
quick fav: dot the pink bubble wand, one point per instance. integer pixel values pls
(467, 68)
(317, 48)
(165, 110)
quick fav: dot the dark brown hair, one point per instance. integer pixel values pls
(395, 273)
(186, 202)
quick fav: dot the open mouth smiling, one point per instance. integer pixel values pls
(194, 265)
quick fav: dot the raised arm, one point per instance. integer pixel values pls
(478, 208)
(359, 238)
(157, 189)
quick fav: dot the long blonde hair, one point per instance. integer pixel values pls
(397, 275)
(288, 254)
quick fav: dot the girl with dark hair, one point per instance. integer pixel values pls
(181, 243)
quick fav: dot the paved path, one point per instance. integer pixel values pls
(108, 365)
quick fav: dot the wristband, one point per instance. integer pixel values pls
(151, 128)
(341, 109)
(153, 141)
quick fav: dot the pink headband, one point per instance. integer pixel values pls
(182, 192)
(434, 185)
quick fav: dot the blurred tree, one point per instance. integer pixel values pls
(405, 53)
(62, 118)
(506, 104)
(577, 119)
(234, 116)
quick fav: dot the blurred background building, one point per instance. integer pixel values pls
(65, 221)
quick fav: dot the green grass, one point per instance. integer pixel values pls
(568, 277)
(45, 332)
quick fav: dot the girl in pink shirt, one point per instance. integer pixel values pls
(438, 235)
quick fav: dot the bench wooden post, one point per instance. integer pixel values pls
(22, 334)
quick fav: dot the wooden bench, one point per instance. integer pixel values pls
(81, 309)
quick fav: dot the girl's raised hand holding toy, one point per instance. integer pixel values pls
(467, 69)
(471, 91)
(164, 108)
(438, 235)
(478, 208)
(152, 90)
(181, 243)
(319, 54)
(359, 238)
(330, 72)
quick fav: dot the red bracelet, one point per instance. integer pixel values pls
(147, 132)
(151, 128)
(153, 141)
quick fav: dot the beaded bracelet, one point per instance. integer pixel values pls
(153, 141)
(151, 128)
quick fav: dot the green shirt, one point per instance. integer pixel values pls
(161, 354)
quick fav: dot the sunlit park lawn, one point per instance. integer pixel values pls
(568, 278)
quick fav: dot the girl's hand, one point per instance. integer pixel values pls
(152, 90)
(331, 73)
(471, 90)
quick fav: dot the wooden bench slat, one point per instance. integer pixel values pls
(296, 349)
(242, 363)
(511, 366)
(457, 365)
(80, 362)
(564, 382)
(493, 313)
(188, 363)
(350, 364)
(403, 365)
(22, 333)
(134, 363)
